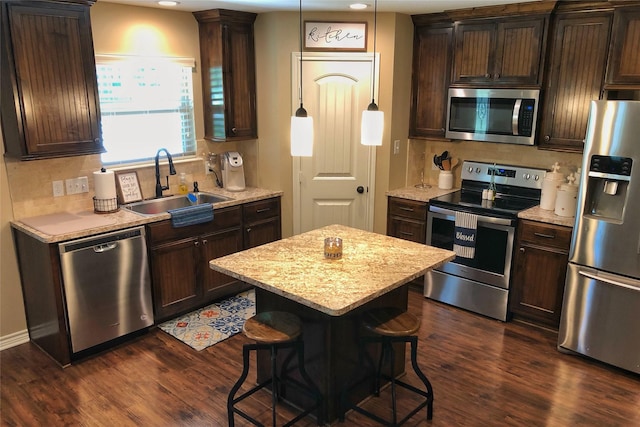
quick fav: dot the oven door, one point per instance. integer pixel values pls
(491, 264)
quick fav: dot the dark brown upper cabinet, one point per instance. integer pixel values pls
(575, 76)
(500, 52)
(432, 55)
(49, 91)
(228, 74)
(624, 54)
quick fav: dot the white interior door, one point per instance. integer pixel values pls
(335, 185)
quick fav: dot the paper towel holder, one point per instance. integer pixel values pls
(105, 206)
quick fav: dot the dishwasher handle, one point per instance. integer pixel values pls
(105, 247)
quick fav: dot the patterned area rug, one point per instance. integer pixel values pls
(214, 323)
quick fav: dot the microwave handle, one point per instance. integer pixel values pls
(515, 117)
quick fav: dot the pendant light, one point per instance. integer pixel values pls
(372, 119)
(301, 123)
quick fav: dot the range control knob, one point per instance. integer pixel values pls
(536, 178)
(527, 176)
(478, 170)
(470, 169)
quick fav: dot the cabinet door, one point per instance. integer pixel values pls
(240, 82)
(474, 53)
(407, 229)
(575, 77)
(174, 279)
(540, 268)
(215, 245)
(259, 233)
(229, 87)
(431, 69)
(48, 66)
(519, 51)
(539, 283)
(624, 53)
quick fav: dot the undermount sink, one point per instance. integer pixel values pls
(164, 204)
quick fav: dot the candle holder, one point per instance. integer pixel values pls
(333, 248)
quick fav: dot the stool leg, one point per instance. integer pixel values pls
(238, 384)
(414, 362)
(392, 360)
(274, 385)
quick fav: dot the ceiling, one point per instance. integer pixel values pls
(409, 7)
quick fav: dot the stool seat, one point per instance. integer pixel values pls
(390, 322)
(273, 327)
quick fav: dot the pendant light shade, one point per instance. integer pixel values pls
(301, 123)
(372, 125)
(301, 134)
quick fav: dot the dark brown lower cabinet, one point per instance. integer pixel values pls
(180, 275)
(541, 257)
(179, 257)
(407, 220)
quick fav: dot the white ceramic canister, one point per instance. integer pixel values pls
(445, 180)
(567, 198)
(550, 185)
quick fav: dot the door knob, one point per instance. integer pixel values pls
(360, 189)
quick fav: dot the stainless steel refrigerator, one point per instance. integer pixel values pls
(601, 305)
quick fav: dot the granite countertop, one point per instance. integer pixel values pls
(541, 215)
(371, 265)
(83, 224)
(419, 194)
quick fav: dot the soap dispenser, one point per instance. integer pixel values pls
(550, 185)
(567, 198)
(183, 188)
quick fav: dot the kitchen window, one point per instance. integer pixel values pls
(146, 104)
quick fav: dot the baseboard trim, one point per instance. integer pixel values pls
(14, 339)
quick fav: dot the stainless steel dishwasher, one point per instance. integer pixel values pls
(107, 286)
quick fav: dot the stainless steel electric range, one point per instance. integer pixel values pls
(480, 282)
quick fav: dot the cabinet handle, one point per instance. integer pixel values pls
(487, 76)
(233, 130)
(402, 208)
(497, 76)
(196, 243)
(263, 210)
(248, 230)
(547, 138)
(204, 242)
(406, 233)
(546, 236)
(522, 250)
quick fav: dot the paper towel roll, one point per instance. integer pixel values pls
(105, 184)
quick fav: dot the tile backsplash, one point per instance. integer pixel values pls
(421, 152)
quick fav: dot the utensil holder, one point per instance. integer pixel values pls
(445, 180)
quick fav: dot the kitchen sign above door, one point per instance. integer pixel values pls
(350, 36)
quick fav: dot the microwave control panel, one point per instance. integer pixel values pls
(525, 122)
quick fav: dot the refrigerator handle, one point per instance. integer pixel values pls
(608, 280)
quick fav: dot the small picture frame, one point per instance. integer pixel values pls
(128, 187)
(335, 36)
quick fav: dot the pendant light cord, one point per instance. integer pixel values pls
(375, 36)
(301, 31)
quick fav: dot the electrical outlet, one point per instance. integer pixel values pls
(58, 188)
(77, 185)
(396, 146)
(207, 168)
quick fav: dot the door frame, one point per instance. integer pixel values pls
(295, 103)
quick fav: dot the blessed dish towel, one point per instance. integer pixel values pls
(464, 241)
(196, 214)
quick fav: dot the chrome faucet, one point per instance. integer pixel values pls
(172, 171)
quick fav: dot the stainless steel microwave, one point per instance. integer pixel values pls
(493, 115)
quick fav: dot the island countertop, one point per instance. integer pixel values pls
(372, 264)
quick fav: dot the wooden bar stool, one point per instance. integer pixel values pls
(389, 326)
(273, 331)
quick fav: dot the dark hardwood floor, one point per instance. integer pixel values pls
(484, 373)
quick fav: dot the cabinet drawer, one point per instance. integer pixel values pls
(545, 234)
(262, 209)
(222, 219)
(407, 208)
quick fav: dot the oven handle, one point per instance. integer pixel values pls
(481, 218)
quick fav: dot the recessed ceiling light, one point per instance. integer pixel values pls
(168, 3)
(358, 6)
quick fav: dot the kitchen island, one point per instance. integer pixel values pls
(329, 295)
